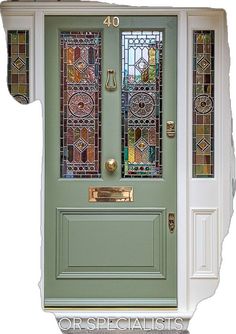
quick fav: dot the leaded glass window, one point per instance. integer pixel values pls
(18, 65)
(80, 104)
(203, 103)
(142, 104)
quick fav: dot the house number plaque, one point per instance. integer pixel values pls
(113, 21)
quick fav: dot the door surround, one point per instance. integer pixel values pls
(193, 200)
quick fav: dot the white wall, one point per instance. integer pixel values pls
(21, 140)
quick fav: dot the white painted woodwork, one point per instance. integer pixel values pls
(204, 240)
(204, 205)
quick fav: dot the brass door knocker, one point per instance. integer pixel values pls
(111, 80)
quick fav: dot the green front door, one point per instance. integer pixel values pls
(110, 93)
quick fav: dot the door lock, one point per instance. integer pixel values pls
(171, 222)
(170, 129)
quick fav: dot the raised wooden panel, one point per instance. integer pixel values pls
(107, 240)
(111, 244)
(204, 248)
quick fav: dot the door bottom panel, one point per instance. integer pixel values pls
(111, 244)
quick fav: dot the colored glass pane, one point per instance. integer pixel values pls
(80, 104)
(203, 104)
(18, 65)
(142, 104)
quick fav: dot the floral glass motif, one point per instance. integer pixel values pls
(203, 103)
(80, 104)
(18, 65)
(142, 104)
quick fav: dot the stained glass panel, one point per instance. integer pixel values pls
(142, 104)
(18, 65)
(80, 104)
(203, 103)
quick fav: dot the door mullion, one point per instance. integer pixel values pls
(111, 104)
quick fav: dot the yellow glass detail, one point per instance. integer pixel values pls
(152, 56)
(131, 136)
(71, 73)
(22, 89)
(77, 76)
(70, 56)
(84, 134)
(22, 38)
(200, 38)
(90, 154)
(131, 154)
(145, 76)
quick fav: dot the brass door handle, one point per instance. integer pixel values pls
(111, 165)
(111, 80)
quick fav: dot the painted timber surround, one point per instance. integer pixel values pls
(204, 205)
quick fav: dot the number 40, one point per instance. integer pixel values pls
(112, 21)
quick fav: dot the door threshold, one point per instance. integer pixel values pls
(60, 308)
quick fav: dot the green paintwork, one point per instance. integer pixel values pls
(109, 254)
(139, 232)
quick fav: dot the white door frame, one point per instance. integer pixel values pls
(198, 200)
